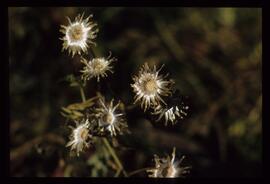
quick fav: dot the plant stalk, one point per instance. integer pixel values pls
(82, 94)
(112, 152)
(106, 142)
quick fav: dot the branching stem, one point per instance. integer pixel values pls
(106, 142)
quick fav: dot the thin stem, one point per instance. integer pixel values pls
(131, 107)
(92, 53)
(117, 173)
(82, 94)
(110, 149)
(138, 171)
(112, 152)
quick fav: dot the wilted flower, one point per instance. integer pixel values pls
(149, 86)
(174, 109)
(97, 67)
(169, 113)
(109, 119)
(168, 167)
(78, 34)
(79, 136)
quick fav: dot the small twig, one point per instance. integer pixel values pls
(117, 173)
(138, 171)
(82, 94)
(112, 152)
(131, 107)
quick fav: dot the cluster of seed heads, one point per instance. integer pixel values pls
(150, 88)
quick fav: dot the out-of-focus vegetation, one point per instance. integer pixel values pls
(214, 55)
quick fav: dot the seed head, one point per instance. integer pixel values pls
(97, 67)
(168, 167)
(79, 137)
(149, 86)
(78, 34)
(109, 119)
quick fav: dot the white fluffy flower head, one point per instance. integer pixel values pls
(109, 119)
(97, 67)
(78, 34)
(79, 137)
(168, 167)
(149, 86)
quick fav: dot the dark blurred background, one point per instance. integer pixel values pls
(213, 54)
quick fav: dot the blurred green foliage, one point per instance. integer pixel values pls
(214, 55)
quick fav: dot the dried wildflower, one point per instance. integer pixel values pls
(108, 119)
(174, 110)
(168, 167)
(97, 67)
(169, 113)
(149, 86)
(78, 34)
(79, 136)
